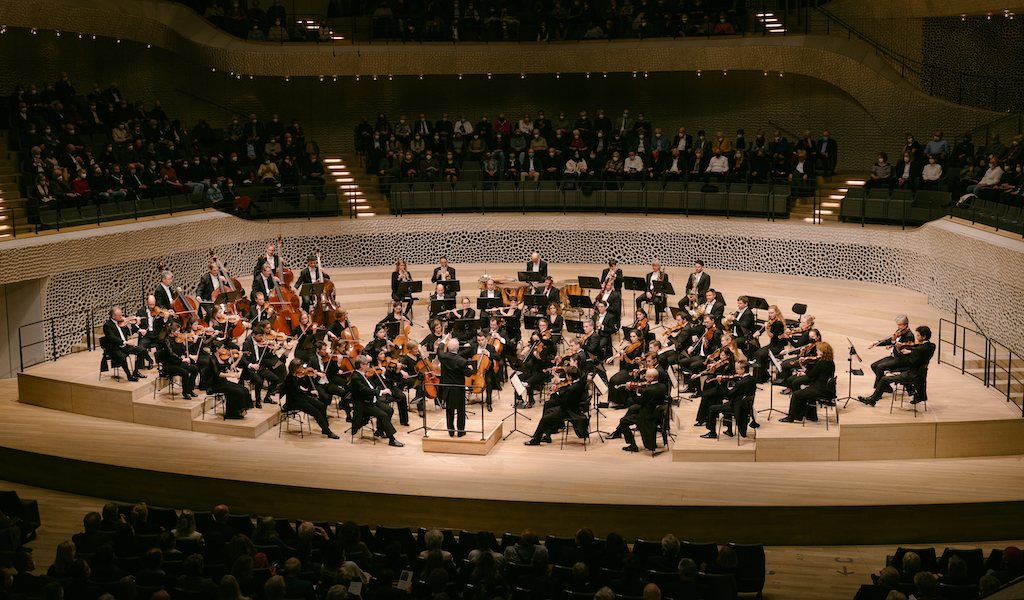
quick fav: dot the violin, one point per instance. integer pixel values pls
(161, 313)
(894, 338)
(224, 353)
(641, 323)
(902, 345)
(305, 371)
(804, 360)
(563, 385)
(634, 385)
(673, 329)
(185, 337)
(714, 366)
(625, 353)
(796, 330)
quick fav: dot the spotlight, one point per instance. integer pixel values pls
(391, 77)
(287, 78)
(79, 36)
(231, 73)
(588, 74)
(558, 75)
(148, 46)
(780, 73)
(335, 78)
(357, 78)
(645, 74)
(634, 73)
(251, 78)
(58, 33)
(963, 16)
(606, 74)
(1006, 13)
(766, 73)
(522, 75)
(94, 38)
(488, 75)
(238, 77)
(214, 69)
(421, 77)
(460, 76)
(698, 72)
(33, 31)
(321, 79)
(989, 15)
(118, 41)
(375, 78)
(3, 28)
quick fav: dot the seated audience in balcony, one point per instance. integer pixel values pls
(907, 172)
(718, 167)
(881, 173)
(991, 178)
(994, 149)
(931, 174)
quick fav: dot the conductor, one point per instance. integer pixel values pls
(454, 370)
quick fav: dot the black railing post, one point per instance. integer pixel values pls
(21, 351)
(963, 353)
(53, 340)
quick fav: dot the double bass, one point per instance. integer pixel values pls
(323, 304)
(240, 306)
(288, 304)
(182, 304)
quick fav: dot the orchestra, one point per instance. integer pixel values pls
(251, 353)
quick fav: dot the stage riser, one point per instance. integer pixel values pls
(905, 524)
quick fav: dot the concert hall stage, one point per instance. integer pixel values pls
(951, 471)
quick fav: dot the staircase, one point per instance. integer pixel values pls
(831, 191)
(360, 190)
(13, 206)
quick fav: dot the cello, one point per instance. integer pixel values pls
(323, 304)
(477, 382)
(288, 304)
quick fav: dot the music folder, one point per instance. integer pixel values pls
(580, 302)
(529, 276)
(227, 297)
(485, 303)
(407, 288)
(437, 306)
(463, 327)
(311, 289)
(675, 310)
(663, 286)
(574, 327)
(535, 300)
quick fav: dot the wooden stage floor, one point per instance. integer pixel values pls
(952, 472)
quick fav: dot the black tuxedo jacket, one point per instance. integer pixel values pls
(614, 301)
(309, 277)
(112, 340)
(570, 398)
(158, 323)
(162, 299)
(610, 325)
(552, 295)
(744, 325)
(258, 286)
(543, 268)
(205, 288)
(618, 278)
(262, 261)
(702, 287)
(664, 277)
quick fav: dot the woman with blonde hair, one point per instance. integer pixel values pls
(61, 566)
(819, 375)
(186, 528)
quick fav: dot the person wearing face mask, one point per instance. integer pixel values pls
(543, 125)
(881, 173)
(937, 147)
(721, 143)
(450, 168)
(778, 146)
(1016, 153)
(409, 167)
(403, 130)
(827, 150)
(418, 146)
(444, 128)
(802, 176)
(254, 132)
(553, 165)
(430, 167)
(931, 174)
(394, 144)
(575, 168)
(233, 134)
(532, 166)
(537, 143)
(602, 124)
(138, 182)
(907, 172)
(476, 148)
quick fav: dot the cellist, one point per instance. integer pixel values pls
(482, 347)
(211, 284)
(412, 366)
(265, 282)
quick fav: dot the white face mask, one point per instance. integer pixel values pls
(881, 161)
(931, 161)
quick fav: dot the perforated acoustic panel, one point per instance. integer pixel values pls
(943, 260)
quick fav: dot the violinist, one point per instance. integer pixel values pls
(892, 362)
(656, 298)
(721, 363)
(305, 336)
(490, 290)
(676, 340)
(629, 359)
(775, 326)
(818, 376)
(401, 275)
(261, 364)
(117, 343)
(539, 356)
(371, 402)
(433, 339)
(792, 368)
(605, 324)
(555, 321)
(211, 284)
(176, 360)
(301, 394)
(443, 272)
(260, 309)
(800, 336)
(411, 369)
(661, 354)
(642, 324)
(698, 281)
(567, 402)
(309, 275)
(732, 401)
(264, 282)
(151, 325)
(707, 342)
(199, 347)
(742, 323)
(270, 258)
(164, 292)
(482, 347)
(611, 296)
(616, 275)
(379, 342)
(454, 369)
(327, 381)
(227, 380)
(590, 345)
(641, 414)
(387, 374)
(911, 369)
(222, 327)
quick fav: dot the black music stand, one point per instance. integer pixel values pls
(535, 300)
(394, 328)
(532, 277)
(311, 289)
(451, 286)
(852, 372)
(755, 303)
(593, 398)
(574, 326)
(518, 366)
(530, 322)
(581, 302)
(406, 289)
(774, 368)
(636, 284)
(227, 297)
(465, 327)
(590, 283)
(663, 287)
(483, 304)
(440, 306)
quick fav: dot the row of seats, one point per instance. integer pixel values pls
(24, 515)
(992, 213)
(954, 584)
(672, 197)
(899, 206)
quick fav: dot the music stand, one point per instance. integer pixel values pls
(533, 277)
(482, 304)
(451, 286)
(636, 284)
(394, 328)
(852, 372)
(755, 303)
(520, 390)
(600, 388)
(531, 322)
(464, 327)
(590, 283)
(574, 327)
(312, 340)
(583, 302)
(440, 306)
(227, 297)
(535, 300)
(406, 289)
(775, 366)
(311, 289)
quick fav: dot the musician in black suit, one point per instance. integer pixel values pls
(652, 395)
(309, 275)
(164, 291)
(568, 401)
(443, 272)
(440, 293)
(657, 299)
(910, 370)
(211, 285)
(176, 361)
(616, 271)
(490, 290)
(742, 323)
(301, 394)
(454, 369)
(549, 291)
(536, 265)
(259, 310)
(260, 365)
(270, 258)
(117, 343)
(605, 324)
(698, 280)
(708, 340)
(264, 282)
(371, 402)
(150, 326)
(818, 375)
(327, 381)
(590, 343)
(736, 405)
(712, 306)
(482, 347)
(902, 335)
(612, 296)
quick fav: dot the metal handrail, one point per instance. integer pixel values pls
(990, 356)
(88, 332)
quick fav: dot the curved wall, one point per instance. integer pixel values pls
(942, 259)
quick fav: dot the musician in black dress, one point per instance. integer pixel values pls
(117, 343)
(481, 346)
(226, 381)
(301, 394)
(434, 339)
(817, 387)
(176, 361)
(735, 403)
(910, 370)
(370, 401)
(309, 275)
(539, 356)
(454, 369)
(398, 276)
(555, 321)
(379, 342)
(774, 327)
(465, 313)
(652, 395)
(629, 359)
(568, 401)
(792, 375)
(512, 316)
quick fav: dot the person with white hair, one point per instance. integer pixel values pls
(372, 401)
(454, 369)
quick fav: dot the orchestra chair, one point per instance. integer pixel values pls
(799, 310)
(826, 402)
(218, 399)
(567, 427)
(358, 423)
(751, 431)
(107, 361)
(292, 414)
(663, 422)
(900, 388)
(161, 375)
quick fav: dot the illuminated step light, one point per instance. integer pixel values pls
(857, 182)
(771, 20)
(844, 190)
(836, 196)
(830, 204)
(809, 219)
(344, 180)
(332, 160)
(350, 193)
(823, 212)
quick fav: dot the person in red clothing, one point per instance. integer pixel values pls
(81, 187)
